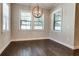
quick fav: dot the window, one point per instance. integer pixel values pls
(39, 23)
(28, 22)
(25, 20)
(57, 20)
(5, 17)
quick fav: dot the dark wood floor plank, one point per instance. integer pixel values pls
(36, 48)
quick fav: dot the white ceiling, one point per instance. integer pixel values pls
(43, 5)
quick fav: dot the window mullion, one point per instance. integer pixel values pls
(32, 23)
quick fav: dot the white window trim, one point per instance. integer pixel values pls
(20, 23)
(7, 26)
(42, 26)
(52, 19)
(32, 27)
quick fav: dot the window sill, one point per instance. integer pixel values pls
(56, 31)
(32, 30)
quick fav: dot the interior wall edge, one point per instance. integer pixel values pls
(1, 50)
(40, 38)
(69, 46)
(48, 38)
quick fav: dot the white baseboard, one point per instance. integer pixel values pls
(69, 46)
(41, 38)
(1, 50)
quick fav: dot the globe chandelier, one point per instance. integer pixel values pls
(37, 11)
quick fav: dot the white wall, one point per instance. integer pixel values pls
(5, 37)
(66, 36)
(18, 34)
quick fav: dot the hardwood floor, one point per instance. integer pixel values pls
(36, 48)
(76, 52)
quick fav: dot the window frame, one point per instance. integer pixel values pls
(24, 20)
(32, 23)
(25, 24)
(7, 27)
(42, 26)
(53, 19)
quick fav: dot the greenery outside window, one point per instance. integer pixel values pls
(39, 23)
(57, 16)
(28, 22)
(25, 21)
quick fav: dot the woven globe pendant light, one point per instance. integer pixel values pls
(37, 11)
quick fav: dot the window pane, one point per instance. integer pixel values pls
(4, 23)
(25, 24)
(28, 18)
(25, 27)
(25, 21)
(57, 28)
(57, 21)
(38, 27)
(38, 23)
(5, 17)
(25, 16)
